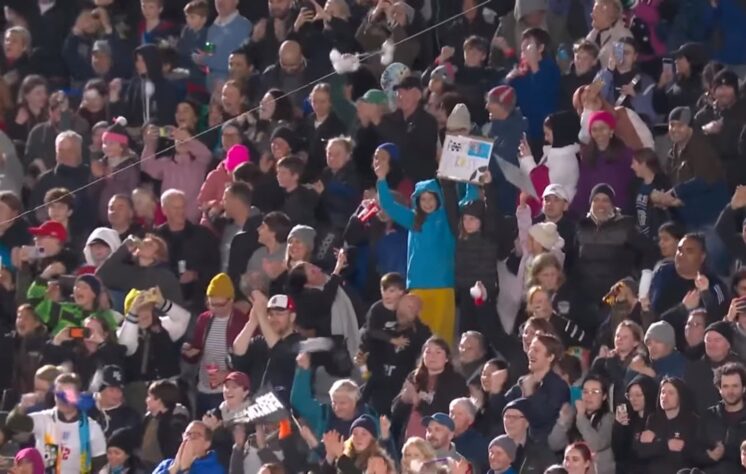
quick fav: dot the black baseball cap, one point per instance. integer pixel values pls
(409, 82)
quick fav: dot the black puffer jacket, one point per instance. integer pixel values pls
(607, 252)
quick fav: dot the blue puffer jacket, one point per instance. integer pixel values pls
(430, 250)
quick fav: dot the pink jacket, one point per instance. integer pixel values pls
(213, 187)
(184, 171)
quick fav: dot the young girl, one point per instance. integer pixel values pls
(479, 234)
(590, 421)
(532, 241)
(559, 165)
(431, 248)
(117, 172)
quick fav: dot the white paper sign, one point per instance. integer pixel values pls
(265, 407)
(515, 176)
(464, 158)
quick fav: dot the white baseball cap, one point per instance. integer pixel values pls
(556, 190)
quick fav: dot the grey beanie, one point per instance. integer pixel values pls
(305, 234)
(506, 444)
(662, 332)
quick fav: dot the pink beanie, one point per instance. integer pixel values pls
(34, 457)
(603, 116)
(237, 155)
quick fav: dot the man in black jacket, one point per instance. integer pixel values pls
(192, 249)
(237, 204)
(111, 412)
(725, 422)
(413, 130)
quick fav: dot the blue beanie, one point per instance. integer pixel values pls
(366, 422)
(391, 149)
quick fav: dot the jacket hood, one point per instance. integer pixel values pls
(686, 398)
(565, 127)
(109, 236)
(526, 7)
(649, 388)
(153, 64)
(429, 185)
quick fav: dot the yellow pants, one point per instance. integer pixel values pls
(438, 311)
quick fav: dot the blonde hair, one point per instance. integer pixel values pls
(427, 451)
(532, 292)
(539, 263)
(615, 4)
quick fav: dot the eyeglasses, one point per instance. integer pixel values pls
(595, 391)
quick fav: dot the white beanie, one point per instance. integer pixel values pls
(460, 119)
(547, 235)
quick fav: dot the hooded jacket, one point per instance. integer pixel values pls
(537, 94)
(622, 437)
(431, 249)
(684, 426)
(105, 234)
(162, 102)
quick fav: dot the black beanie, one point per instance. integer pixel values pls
(287, 134)
(124, 439)
(473, 208)
(681, 114)
(726, 78)
(723, 328)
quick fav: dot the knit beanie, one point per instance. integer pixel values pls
(723, 328)
(444, 72)
(473, 208)
(460, 119)
(519, 404)
(602, 188)
(33, 456)
(124, 439)
(366, 422)
(503, 95)
(603, 116)
(287, 134)
(305, 234)
(681, 114)
(661, 331)
(547, 235)
(221, 286)
(391, 149)
(506, 444)
(117, 132)
(237, 155)
(92, 281)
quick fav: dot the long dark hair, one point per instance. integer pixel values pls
(419, 214)
(421, 375)
(595, 417)
(283, 106)
(593, 154)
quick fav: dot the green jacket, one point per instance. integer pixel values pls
(58, 316)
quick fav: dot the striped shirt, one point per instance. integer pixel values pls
(214, 352)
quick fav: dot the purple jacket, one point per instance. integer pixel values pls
(616, 172)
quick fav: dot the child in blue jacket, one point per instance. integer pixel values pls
(431, 249)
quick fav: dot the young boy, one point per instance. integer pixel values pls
(383, 312)
(152, 30)
(300, 202)
(474, 78)
(159, 442)
(193, 38)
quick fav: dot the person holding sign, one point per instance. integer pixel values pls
(431, 248)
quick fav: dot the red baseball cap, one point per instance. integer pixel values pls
(50, 229)
(240, 378)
